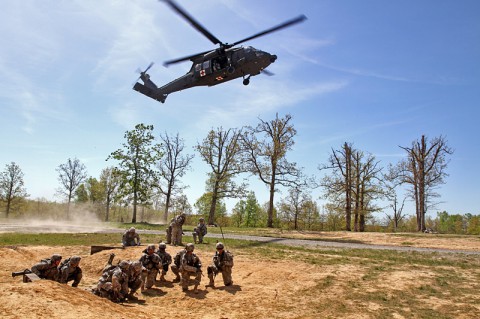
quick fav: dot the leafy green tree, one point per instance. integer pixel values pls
(473, 227)
(70, 175)
(110, 179)
(172, 167)
(204, 203)
(12, 189)
(138, 155)
(267, 146)
(81, 194)
(238, 213)
(252, 210)
(222, 151)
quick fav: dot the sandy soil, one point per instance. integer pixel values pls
(275, 289)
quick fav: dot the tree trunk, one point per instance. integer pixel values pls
(213, 206)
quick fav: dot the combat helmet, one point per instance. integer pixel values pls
(75, 260)
(131, 230)
(220, 245)
(137, 265)
(189, 247)
(124, 264)
(162, 246)
(56, 257)
(151, 246)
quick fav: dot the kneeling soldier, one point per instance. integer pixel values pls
(190, 265)
(152, 263)
(222, 263)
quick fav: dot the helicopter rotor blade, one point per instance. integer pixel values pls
(186, 58)
(144, 72)
(192, 21)
(276, 28)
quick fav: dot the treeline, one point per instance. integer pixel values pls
(144, 182)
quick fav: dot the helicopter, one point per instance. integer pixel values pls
(212, 67)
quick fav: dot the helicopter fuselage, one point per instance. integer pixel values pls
(211, 69)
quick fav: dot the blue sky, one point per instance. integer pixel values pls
(377, 74)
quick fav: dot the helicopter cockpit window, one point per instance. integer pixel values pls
(206, 65)
(198, 67)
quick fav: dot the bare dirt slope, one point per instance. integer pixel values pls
(262, 289)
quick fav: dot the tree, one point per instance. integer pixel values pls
(222, 151)
(204, 204)
(174, 165)
(424, 170)
(267, 156)
(12, 189)
(110, 179)
(390, 185)
(339, 186)
(139, 153)
(70, 175)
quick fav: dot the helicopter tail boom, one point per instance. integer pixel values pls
(152, 92)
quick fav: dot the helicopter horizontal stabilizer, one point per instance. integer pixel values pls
(152, 93)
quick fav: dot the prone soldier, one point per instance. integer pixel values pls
(47, 268)
(222, 263)
(69, 270)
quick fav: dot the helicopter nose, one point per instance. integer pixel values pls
(273, 58)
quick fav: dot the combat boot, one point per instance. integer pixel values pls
(195, 289)
(211, 283)
(162, 278)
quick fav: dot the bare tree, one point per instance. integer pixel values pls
(267, 156)
(70, 175)
(424, 170)
(222, 151)
(390, 185)
(339, 186)
(12, 188)
(172, 167)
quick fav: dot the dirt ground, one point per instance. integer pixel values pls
(261, 289)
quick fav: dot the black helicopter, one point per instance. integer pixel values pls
(213, 67)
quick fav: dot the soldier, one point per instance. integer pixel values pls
(152, 263)
(129, 237)
(134, 278)
(222, 263)
(199, 231)
(166, 259)
(176, 264)
(169, 231)
(69, 270)
(177, 231)
(114, 282)
(190, 265)
(47, 268)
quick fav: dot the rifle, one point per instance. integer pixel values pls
(21, 273)
(28, 275)
(110, 259)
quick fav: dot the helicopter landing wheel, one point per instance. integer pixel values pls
(246, 81)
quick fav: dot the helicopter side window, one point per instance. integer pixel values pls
(198, 67)
(206, 65)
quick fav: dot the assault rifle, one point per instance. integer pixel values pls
(28, 275)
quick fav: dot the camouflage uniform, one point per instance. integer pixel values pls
(176, 264)
(200, 231)
(129, 237)
(222, 263)
(165, 260)
(152, 263)
(69, 270)
(190, 265)
(169, 231)
(177, 231)
(114, 282)
(134, 277)
(47, 268)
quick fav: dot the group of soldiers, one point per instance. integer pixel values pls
(54, 269)
(120, 282)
